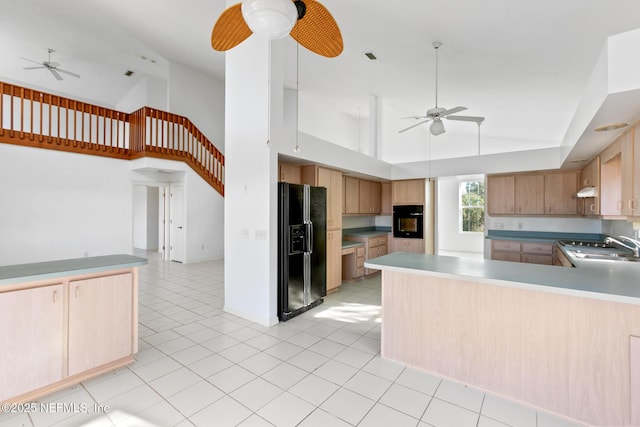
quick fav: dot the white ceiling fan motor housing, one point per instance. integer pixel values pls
(272, 19)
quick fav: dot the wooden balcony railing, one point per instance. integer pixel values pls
(37, 119)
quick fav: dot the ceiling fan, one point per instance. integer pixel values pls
(308, 22)
(436, 114)
(51, 66)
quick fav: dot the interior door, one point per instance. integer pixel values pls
(177, 230)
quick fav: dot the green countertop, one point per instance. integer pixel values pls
(69, 267)
(617, 283)
(541, 236)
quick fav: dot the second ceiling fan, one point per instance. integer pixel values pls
(436, 114)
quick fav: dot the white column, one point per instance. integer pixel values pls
(250, 230)
(374, 127)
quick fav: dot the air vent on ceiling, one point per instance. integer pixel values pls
(128, 73)
(371, 56)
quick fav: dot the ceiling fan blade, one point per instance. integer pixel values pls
(32, 68)
(466, 118)
(452, 111)
(415, 117)
(55, 74)
(67, 72)
(230, 29)
(412, 126)
(31, 60)
(318, 31)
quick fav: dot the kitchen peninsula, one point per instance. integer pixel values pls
(563, 340)
(62, 322)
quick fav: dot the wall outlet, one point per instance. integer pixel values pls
(261, 234)
(499, 225)
(245, 233)
(519, 226)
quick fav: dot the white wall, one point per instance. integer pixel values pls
(448, 236)
(204, 207)
(58, 205)
(149, 92)
(200, 98)
(139, 216)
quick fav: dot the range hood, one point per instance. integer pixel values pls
(588, 192)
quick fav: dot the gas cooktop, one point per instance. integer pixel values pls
(586, 243)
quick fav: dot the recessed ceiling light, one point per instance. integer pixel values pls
(371, 56)
(614, 126)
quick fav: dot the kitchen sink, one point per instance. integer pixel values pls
(606, 257)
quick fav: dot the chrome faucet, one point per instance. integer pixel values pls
(632, 245)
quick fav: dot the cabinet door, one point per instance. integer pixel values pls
(385, 199)
(529, 194)
(332, 181)
(364, 197)
(334, 260)
(31, 339)
(501, 195)
(100, 321)
(351, 197)
(376, 197)
(408, 192)
(560, 193)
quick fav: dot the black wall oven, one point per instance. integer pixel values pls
(408, 221)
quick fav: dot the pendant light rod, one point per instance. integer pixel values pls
(436, 46)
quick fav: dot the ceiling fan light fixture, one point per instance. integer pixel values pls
(272, 19)
(437, 127)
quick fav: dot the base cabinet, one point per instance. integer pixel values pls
(31, 339)
(407, 245)
(100, 316)
(59, 333)
(334, 260)
(527, 252)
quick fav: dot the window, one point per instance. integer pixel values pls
(472, 206)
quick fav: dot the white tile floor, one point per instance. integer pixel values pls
(199, 366)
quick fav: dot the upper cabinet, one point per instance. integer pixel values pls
(408, 192)
(529, 194)
(590, 177)
(362, 197)
(537, 193)
(332, 180)
(501, 194)
(289, 173)
(560, 190)
(369, 197)
(385, 199)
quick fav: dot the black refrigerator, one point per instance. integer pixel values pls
(302, 233)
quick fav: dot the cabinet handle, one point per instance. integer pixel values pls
(619, 205)
(77, 292)
(632, 205)
(592, 208)
(55, 297)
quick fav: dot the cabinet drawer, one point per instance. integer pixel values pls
(505, 256)
(537, 248)
(537, 259)
(360, 262)
(377, 241)
(359, 271)
(505, 245)
(360, 251)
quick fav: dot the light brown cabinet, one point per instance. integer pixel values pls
(539, 193)
(100, 317)
(526, 252)
(374, 246)
(560, 193)
(361, 197)
(630, 174)
(408, 192)
(289, 173)
(369, 197)
(529, 194)
(56, 333)
(399, 244)
(501, 195)
(334, 260)
(590, 177)
(351, 204)
(332, 180)
(32, 339)
(353, 263)
(386, 207)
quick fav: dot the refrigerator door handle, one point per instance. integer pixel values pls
(309, 237)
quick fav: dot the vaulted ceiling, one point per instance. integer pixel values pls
(524, 66)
